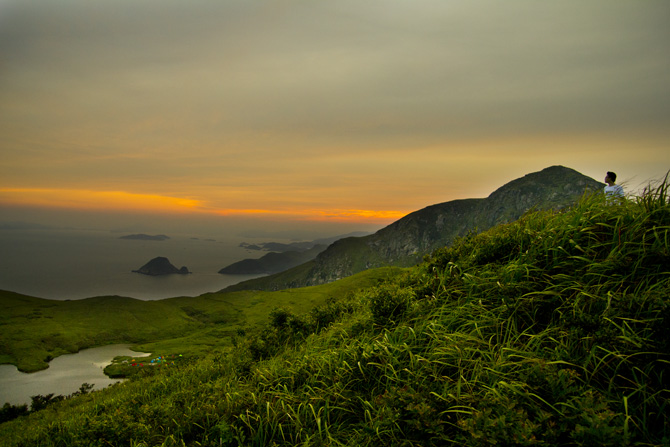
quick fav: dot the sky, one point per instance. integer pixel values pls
(329, 115)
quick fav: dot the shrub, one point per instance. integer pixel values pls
(9, 412)
(390, 302)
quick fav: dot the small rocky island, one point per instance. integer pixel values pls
(161, 266)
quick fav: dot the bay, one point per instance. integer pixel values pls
(64, 376)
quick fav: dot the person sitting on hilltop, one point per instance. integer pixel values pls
(612, 190)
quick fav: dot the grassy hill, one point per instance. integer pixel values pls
(551, 330)
(35, 330)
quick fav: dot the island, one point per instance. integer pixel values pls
(145, 237)
(161, 266)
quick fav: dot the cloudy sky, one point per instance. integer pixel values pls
(321, 111)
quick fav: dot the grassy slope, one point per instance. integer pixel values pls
(548, 331)
(34, 330)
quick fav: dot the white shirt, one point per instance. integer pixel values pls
(614, 191)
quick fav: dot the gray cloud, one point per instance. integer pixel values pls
(334, 66)
(163, 87)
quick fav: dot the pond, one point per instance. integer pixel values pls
(65, 374)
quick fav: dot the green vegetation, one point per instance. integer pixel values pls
(35, 330)
(551, 330)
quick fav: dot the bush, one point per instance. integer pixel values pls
(323, 316)
(389, 303)
(284, 320)
(40, 402)
(9, 412)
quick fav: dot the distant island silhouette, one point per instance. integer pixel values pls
(161, 266)
(145, 237)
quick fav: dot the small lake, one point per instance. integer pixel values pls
(64, 376)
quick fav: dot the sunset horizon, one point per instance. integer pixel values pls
(338, 114)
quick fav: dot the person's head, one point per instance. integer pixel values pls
(610, 178)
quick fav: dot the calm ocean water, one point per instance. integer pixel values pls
(75, 264)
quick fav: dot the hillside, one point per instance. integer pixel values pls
(406, 241)
(551, 331)
(272, 262)
(282, 256)
(35, 330)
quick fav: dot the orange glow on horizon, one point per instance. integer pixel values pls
(79, 199)
(379, 216)
(122, 201)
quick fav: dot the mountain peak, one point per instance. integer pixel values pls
(553, 177)
(406, 241)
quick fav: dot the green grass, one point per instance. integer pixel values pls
(35, 330)
(549, 331)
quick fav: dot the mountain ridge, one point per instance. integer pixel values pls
(272, 262)
(406, 241)
(282, 256)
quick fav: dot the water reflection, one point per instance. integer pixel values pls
(64, 375)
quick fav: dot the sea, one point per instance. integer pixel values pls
(70, 264)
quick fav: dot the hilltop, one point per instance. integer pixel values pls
(405, 242)
(549, 330)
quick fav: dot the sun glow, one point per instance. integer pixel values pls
(337, 215)
(96, 200)
(123, 201)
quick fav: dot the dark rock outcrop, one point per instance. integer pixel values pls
(161, 266)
